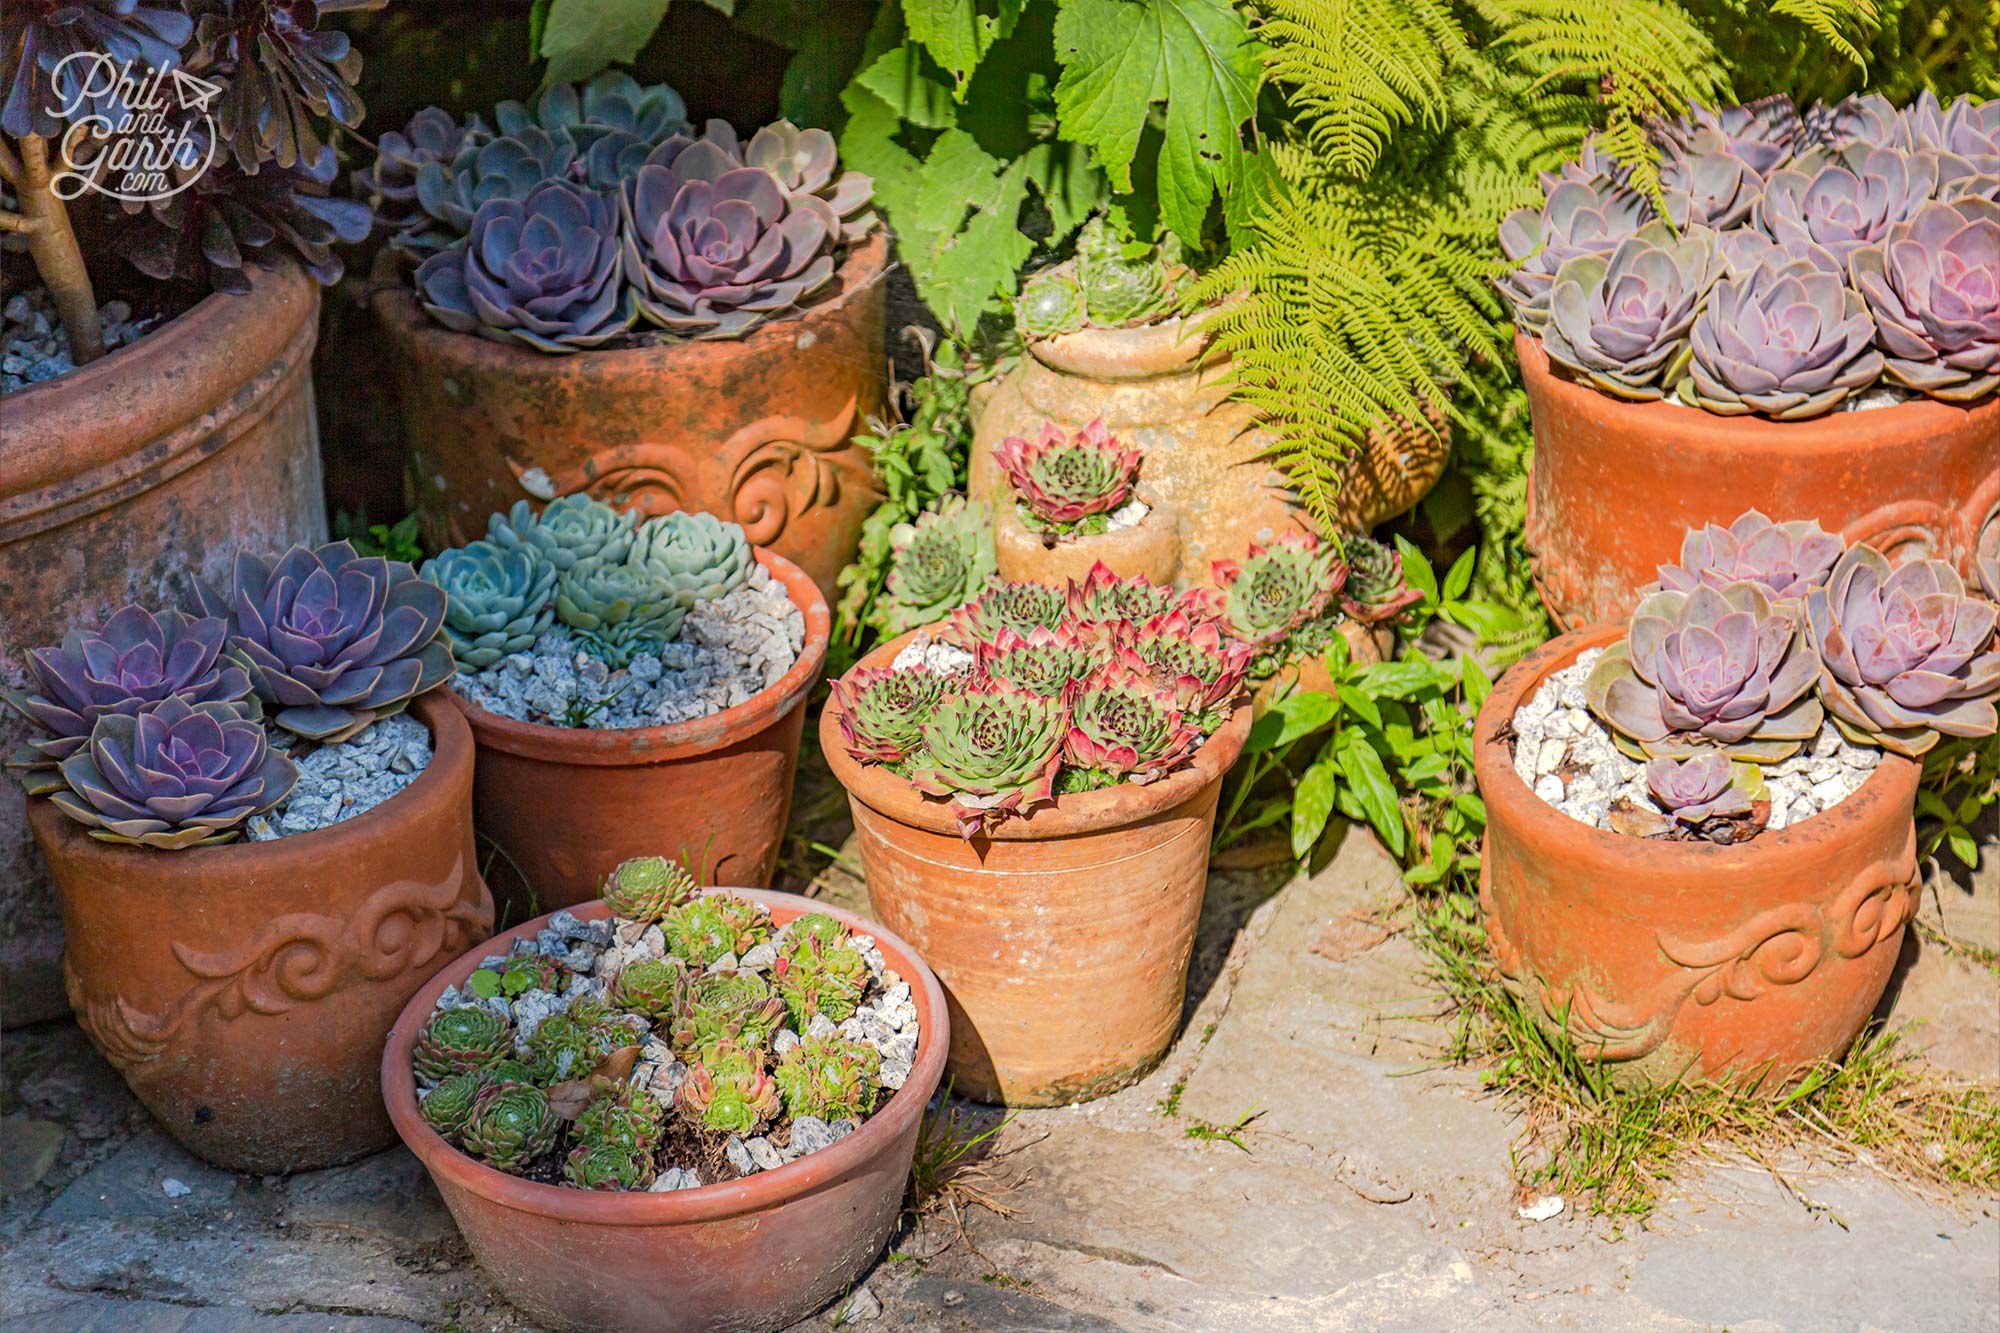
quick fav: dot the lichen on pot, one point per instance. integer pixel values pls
(684, 1040)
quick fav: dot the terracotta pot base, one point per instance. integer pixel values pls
(1149, 549)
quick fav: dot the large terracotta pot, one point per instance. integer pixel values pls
(758, 430)
(1149, 549)
(244, 990)
(1668, 958)
(747, 1256)
(1616, 485)
(1204, 451)
(564, 805)
(124, 482)
(1063, 938)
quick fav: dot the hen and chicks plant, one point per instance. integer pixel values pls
(1068, 482)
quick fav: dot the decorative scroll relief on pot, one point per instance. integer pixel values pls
(297, 959)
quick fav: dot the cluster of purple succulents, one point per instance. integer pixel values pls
(1789, 262)
(1069, 690)
(1765, 631)
(1286, 599)
(596, 210)
(155, 728)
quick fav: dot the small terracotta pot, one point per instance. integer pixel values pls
(1062, 939)
(564, 805)
(759, 430)
(244, 990)
(1666, 959)
(1157, 388)
(1150, 548)
(1616, 485)
(123, 482)
(1366, 645)
(747, 1256)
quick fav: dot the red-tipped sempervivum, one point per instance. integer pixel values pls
(1125, 728)
(1718, 668)
(991, 751)
(1195, 660)
(882, 710)
(1044, 661)
(1103, 596)
(1904, 655)
(1064, 477)
(1020, 607)
(1788, 559)
(1278, 588)
(1933, 286)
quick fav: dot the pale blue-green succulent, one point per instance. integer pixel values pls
(617, 610)
(571, 528)
(692, 557)
(501, 599)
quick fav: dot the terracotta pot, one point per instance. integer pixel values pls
(1204, 452)
(758, 430)
(1150, 548)
(244, 990)
(743, 1257)
(1062, 939)
(123, 482)
(564, 805)
(1366, 645)
(1616, 485)
(1670, 958)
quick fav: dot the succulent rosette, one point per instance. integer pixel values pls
(388, 184)
(173, 775)
(570, 528)
(1762, 134)
(1064, 478)
(543, 270)
(1044, 661)
(692, 557)
(627, 1117)
(1020, 607)
(464, 1037)
(608, 1166)
(830, 1077)
(1697, 788)
(501, 599)
(1276, 589)
(937, 564)
(882, 710)
(1904, 655)
(1194, 660)
(1105, 598)
(1051, 304)
(136, 659)
(1866, 118)
(1588, 216)
(1787, 559)
(703, 931)
(1724, 668)
(1124, 728)
(1621, 321)
(991, 751)
(1846, 198)
(808, 162)
(448, 1106)
(1705, 182)
(1932, 284)
(815, 976)
(648, 888)
(650, 987)
(726, 1008)
(729, 1090)
(617, 610)
(333, 640)
(510, 166)
(1967, 130)
(511, 1125)
(1375, 591)
(1125, 283)
(1790, 342)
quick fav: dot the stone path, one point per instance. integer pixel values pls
(1372, 1192)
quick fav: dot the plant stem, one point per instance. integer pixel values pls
(52, 245)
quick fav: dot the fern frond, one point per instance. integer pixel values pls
(1832, 20)
(1356, 70)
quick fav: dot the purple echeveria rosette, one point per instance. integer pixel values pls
(1932, 285)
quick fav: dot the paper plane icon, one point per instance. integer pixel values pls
(194, 92)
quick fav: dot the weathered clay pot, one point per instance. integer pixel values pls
(1204, 452)
(1063, 939)
(758, 430)
(1616, 485)
(244, 990)
(747, 1256)
(123, 482)
(1366, 645)
(1667, 959)
(1150, 548)
(561, 806)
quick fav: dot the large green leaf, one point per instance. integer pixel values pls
(957, 33)
(900, 79)
(1119, 57)
(581, 37)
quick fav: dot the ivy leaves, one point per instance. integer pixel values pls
(1120, 57)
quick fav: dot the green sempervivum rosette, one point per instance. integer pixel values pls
(830, 1077)
(819, 926)
(515, 1070)
(574, 1042)
(617, 610)
(449, 1105)
(511, 1124)
(1021, 607)
(729, 1091)
(650, 986)
(1045, 661)
(692, 557)
(821, 979)
(626, 1117)
(1119, 287)
(707, 928)
(647, 888)
(735, 1008)
(608, 1166)
(571, 528)
(991, 751)
(1124, 728)
(1051, 303)
(1105, 598)
(461, 1038)
(1277, 588)
(936, 564)
(882, 709)
(1375, 590)
(500, 600)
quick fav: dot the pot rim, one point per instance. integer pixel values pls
(706, 1203)
(451, 748)
(1696, 428)
(1509, 799)
(1078, 813)
(611, 747)
(1169, 347)
(164, 380)
(395, 306)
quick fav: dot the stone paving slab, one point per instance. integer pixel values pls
(108, 1314)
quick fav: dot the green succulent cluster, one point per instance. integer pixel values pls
(461, 1038)
(448, 1106)
(572, 1043)
(937, 563)
(647, 888)
(727, 1009)
(518, 975)
(830, 1077)
(650, 986)
(1051, 304)
(704, 930)
(729, 1090)
(626, 1117)
(1275, 591)
(1043, 662)
(608, 1166)
(617, 611)
(1020, 607)
(570, 529)
(695, 557)
(1126, 283)
(499, 600)
(510, 1125)
(819, 971)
